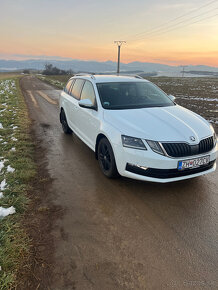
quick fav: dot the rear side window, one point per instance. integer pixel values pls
(77, 87)
(88, 92)
(68, 85)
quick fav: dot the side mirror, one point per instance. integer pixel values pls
(172, 98)
(86, 103)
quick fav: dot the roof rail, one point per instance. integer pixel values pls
(85, 74)
(138, 77)
(133, 76)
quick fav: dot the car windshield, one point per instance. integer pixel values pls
(132, 95)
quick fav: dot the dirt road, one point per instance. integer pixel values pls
(120, 234)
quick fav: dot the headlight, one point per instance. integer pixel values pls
(132, 142)
(155, 146)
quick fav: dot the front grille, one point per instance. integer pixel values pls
(168, 173)
(183, 149)
(206, 145)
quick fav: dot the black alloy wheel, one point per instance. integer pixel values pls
(106, 159)
(64, 124)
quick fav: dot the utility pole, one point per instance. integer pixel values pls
(183, 71)
(119, 44)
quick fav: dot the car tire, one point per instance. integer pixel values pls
(64, 123)
(106, 159)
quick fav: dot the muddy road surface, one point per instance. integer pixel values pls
(120, 234)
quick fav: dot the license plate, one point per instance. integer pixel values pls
(193, 163)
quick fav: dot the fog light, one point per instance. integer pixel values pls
(142, 167)
(138, 166)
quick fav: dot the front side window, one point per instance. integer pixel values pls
(132, 95)
(77, 87)
(88, 92)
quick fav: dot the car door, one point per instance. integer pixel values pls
(88, 119)
(72, 105)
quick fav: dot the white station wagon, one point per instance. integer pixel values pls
(136, 130)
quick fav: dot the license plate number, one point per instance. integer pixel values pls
(193, 163)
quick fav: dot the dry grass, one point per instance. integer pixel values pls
(57, 81)
(8, 75)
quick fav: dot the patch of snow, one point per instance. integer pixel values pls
(10, 169)
(13, 149)
(13, 139)
(3, 184)
(212, 121)
(2, 164)
(6, 211)
(198, 98)
(1, 194)
(15, 127)
(1, 127)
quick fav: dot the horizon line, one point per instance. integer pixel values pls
(59, 58)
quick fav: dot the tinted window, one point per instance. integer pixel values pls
(131, 95)
(88, 92)
(76, 90)
(68, 85)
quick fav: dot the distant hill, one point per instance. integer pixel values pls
(104, 67)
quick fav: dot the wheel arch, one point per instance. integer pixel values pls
(99, 137)
(61, 110)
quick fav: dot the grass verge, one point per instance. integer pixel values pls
(17, 170)
(58, 81)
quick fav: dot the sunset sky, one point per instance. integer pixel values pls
(86, 30)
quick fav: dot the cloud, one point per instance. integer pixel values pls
(166, 60)
(31, 56)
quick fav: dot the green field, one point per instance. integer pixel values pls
(8, 75)
(16, 171)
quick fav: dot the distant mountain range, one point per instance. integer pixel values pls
(106, 67)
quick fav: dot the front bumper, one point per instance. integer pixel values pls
(132, 163)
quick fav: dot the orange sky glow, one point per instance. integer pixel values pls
(88, 29)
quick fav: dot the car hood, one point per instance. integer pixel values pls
(173, 123)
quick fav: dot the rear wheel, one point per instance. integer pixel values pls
(64, 123)
(106, 159)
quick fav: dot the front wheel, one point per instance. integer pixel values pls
(106, 159)
(64, 123)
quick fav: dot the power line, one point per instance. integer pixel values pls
(174, 19)
(180, 22)
(212, 16)
(173, 27)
